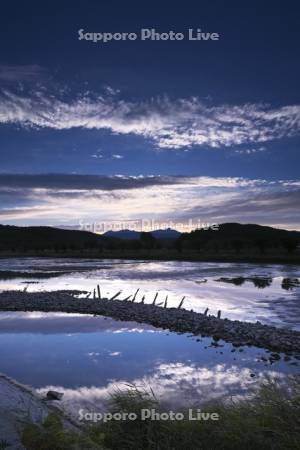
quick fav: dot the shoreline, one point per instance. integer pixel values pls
(295, 260)
(177, 320)
(20, 405)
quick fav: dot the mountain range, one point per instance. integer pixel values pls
(130, 234)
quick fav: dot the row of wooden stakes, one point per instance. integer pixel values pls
(97, 294)
(165, 303)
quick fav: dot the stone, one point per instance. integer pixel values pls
(54, 395)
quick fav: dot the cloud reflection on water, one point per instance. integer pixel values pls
(175, 384)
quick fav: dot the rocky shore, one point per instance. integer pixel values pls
(21, 405)
(175, 319)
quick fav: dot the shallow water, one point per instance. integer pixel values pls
(87, 357)
(195, 280)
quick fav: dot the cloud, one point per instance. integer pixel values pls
(31, 72)
(24, 212)
(117, 156)
(173, 124)
(270, 206)
(250, 151)
(85, 182)
(62, 199)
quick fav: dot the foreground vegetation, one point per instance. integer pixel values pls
(268, 421)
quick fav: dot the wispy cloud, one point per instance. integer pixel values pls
(66, 199)
(29, 72)
(173, 124)
(250, 151)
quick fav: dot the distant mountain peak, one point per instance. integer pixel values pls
(167, 233)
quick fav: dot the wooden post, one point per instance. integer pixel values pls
(116, 295)
(166, 302)
(99, 292)
(181, 303)
(153, 303)
(205, 312)
(134, 297)
(219, 314)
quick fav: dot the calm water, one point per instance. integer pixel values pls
(87, 357)
(197, 281)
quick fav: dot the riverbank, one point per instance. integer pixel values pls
(178, 320)
(160, 256)
(19, 406)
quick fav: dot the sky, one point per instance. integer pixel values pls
(159, 130)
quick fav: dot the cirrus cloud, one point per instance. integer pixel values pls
(173, 124)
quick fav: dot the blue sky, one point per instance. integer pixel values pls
(211, 127)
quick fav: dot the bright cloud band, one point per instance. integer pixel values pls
(168, 123)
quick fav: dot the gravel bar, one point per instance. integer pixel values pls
(179, 320)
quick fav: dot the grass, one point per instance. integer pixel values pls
(52, 435)
(268, 421)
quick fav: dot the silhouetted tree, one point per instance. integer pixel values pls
(178, 244)
(261, 244)
(237, 244)
(147, 240)
(290, 245)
